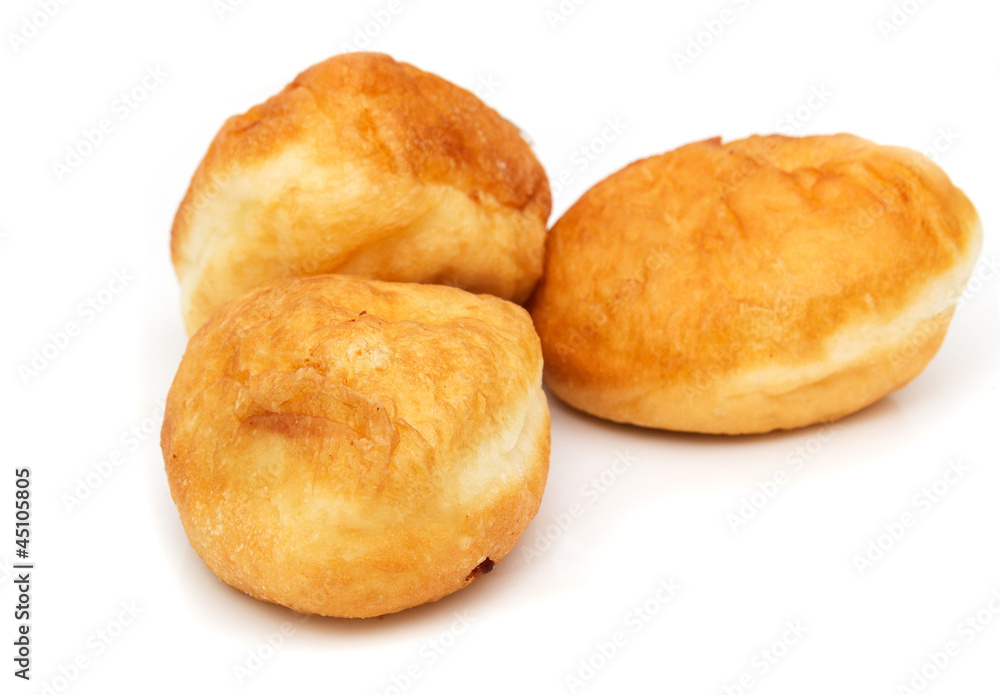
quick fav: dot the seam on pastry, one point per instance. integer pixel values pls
(375, 442)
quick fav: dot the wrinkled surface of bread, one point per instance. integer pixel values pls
(362, 166)
(353, 448)
(761, 284)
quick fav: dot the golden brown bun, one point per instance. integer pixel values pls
(762, 284)
(352, 448)
(362, 166)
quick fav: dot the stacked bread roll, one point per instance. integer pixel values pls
(334, 442)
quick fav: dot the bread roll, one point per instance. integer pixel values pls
(348, 447)
(362, 166)
(762, 284)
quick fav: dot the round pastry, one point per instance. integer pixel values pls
(350, 447)
(362, 166)
(762, 284)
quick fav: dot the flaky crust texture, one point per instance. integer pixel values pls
(761, 284)
(363, 166)
(353, 448)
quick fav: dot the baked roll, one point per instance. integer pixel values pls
(348, 447)
(762, 284)
(362, 166)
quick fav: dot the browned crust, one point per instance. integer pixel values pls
(368, 107)
(687, 272)
(339, 446)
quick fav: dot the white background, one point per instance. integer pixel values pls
(664, 517)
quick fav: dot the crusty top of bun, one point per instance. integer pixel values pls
(748, 259)
(363, 166)
(369, 107)
(388, 380)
